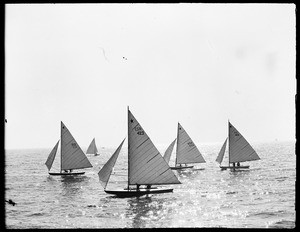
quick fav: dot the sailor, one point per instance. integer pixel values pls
(238, 164)
(148, 186)
(233, 164)
(137, 187)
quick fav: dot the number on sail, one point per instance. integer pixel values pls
(146, 164)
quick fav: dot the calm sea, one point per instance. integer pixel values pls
(261, 197)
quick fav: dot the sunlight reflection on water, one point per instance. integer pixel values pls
(263, 196)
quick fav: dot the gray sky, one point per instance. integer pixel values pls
(197, 64)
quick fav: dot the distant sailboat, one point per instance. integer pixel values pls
(146, 166)
(186, 150)
(72, 157)
(92, 149)
(239, 150)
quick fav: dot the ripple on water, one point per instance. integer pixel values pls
(264, 196)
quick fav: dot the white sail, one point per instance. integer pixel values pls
(92, 149)
(186, 151)
(106, 170)
(168, 152)
(221, 153)
(145, 164)
(72, 157)
(51, 156)
(239, 149)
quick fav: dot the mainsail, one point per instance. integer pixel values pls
(92, 149)
(221, 153)
(106, 170)
(145, 163)
(168, 152)
(51, 156)
(72, 157)
(186, 151)
(239, 149)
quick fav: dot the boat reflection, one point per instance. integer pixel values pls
(187, 172)
(71, 185)
(147, 211)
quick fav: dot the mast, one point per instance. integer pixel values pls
(61, 143)
(187, 151)
(146, 164)
(177, 143)
(240, 149)
(228, 143)
(92, 149)
(72, 156)
(128, 146)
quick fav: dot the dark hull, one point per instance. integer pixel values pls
(134, 188)
(183, 167)
(66, 174)
(234, 168)
(134, 193)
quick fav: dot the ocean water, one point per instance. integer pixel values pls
(261, 197)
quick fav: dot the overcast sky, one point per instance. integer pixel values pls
(197, 64)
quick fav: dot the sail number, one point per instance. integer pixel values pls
(139, 130)
(191, 144)
(74, 145)
(236, 133)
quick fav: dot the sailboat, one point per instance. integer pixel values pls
(92, 149)
(72, 157)
(239, 150)
(186, 150)
(146, 166)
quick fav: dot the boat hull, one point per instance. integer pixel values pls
(179, 168)
(135, 193)
(234, 168)
(140, 188)
(66, 174)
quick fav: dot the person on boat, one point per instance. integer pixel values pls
(238, 164)
(137, 187)
(148, 186)
(70, 170)
(233, 164)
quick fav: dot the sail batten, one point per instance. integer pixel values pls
(72, 157)
(186, 151)
(51, 156)
(239, 148)
(222, 152)
(146, 165)
(105, 172)
(168, 152)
